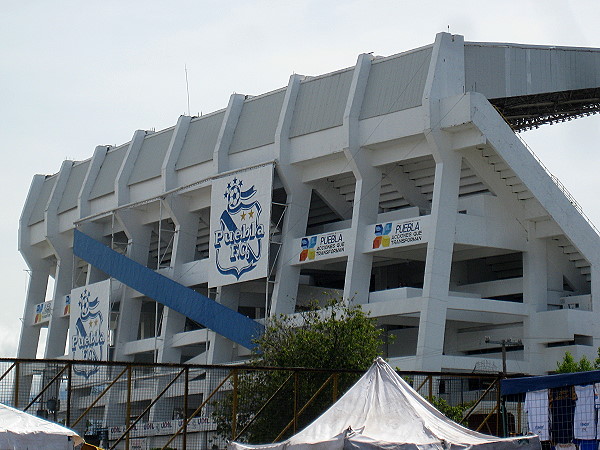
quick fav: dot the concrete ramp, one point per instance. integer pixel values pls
(216, 317)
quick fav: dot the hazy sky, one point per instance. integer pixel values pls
(74, 75)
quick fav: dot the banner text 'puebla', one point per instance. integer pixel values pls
(239, 226)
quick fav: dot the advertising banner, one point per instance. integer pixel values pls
(166, 427)
(239, 226)
(43, 311)
(322, 246)
(67, 305)
(399, 233)
(88, 325)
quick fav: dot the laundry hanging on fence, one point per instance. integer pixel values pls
(538, 419)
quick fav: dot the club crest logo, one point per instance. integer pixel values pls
(88, 339)
(238, 241)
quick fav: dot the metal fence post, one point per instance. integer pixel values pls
(235, 404)
(430, 392)
(69, 375)
(17, 377)
(295, 402)
(128, 407)
(498, 407)
(336, 377)
(185, 404)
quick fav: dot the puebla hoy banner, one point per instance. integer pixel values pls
(239, 226)
(88, 325)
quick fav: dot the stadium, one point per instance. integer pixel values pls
(399, 184)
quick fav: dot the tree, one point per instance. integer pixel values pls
(569, 364)
(454, 413)
(338, 337)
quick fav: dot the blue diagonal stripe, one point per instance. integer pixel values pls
(222, 320)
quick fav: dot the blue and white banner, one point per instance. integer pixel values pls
(320, 247)
(43, 312)
(398, 233)
(239, 226)
(88, 325)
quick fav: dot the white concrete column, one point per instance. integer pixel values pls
(168, 172)
(535, 293)
(139, 236)
(366, 192)
(36, 293)
(230, 120)
(83, 199)
(446, 78)
(595, 291)
(96, 231)
(58, 326)
(184, 246)
(221, 348)
(364, 213)
(39, 271)
(122, 178)
(436, 281)
(285, 290)
(287, 277)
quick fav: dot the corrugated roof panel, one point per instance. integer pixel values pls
(511, 70)
(396, 83)
(151, 156)
(588, 73)
(105, 181)
(541, 68)
(485, 70)
(200, 140)
(37, 213)
(517, 71)
(73, 186)
(321, 103)
(258, 122)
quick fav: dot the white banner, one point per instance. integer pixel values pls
(88, 325)
(240, 218)
(398, 233)
(166, 427)
(322, 246)
(43, 311)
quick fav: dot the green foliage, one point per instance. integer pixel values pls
(569, 364)
(585, 364)
(454, 413)
(336, 337)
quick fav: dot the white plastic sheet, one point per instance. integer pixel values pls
(20, 430)
(382, 411)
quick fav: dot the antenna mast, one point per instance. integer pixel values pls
(187, 86)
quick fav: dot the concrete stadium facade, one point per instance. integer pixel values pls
(420, 142)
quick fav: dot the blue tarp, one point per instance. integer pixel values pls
(527, 384)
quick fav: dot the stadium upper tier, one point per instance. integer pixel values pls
(529, 84)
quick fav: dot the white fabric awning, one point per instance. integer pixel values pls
(382, 411)
(20, 430)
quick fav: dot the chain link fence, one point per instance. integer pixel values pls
(153, 406)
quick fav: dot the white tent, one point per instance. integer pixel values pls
(382, 411)
(20, 430)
